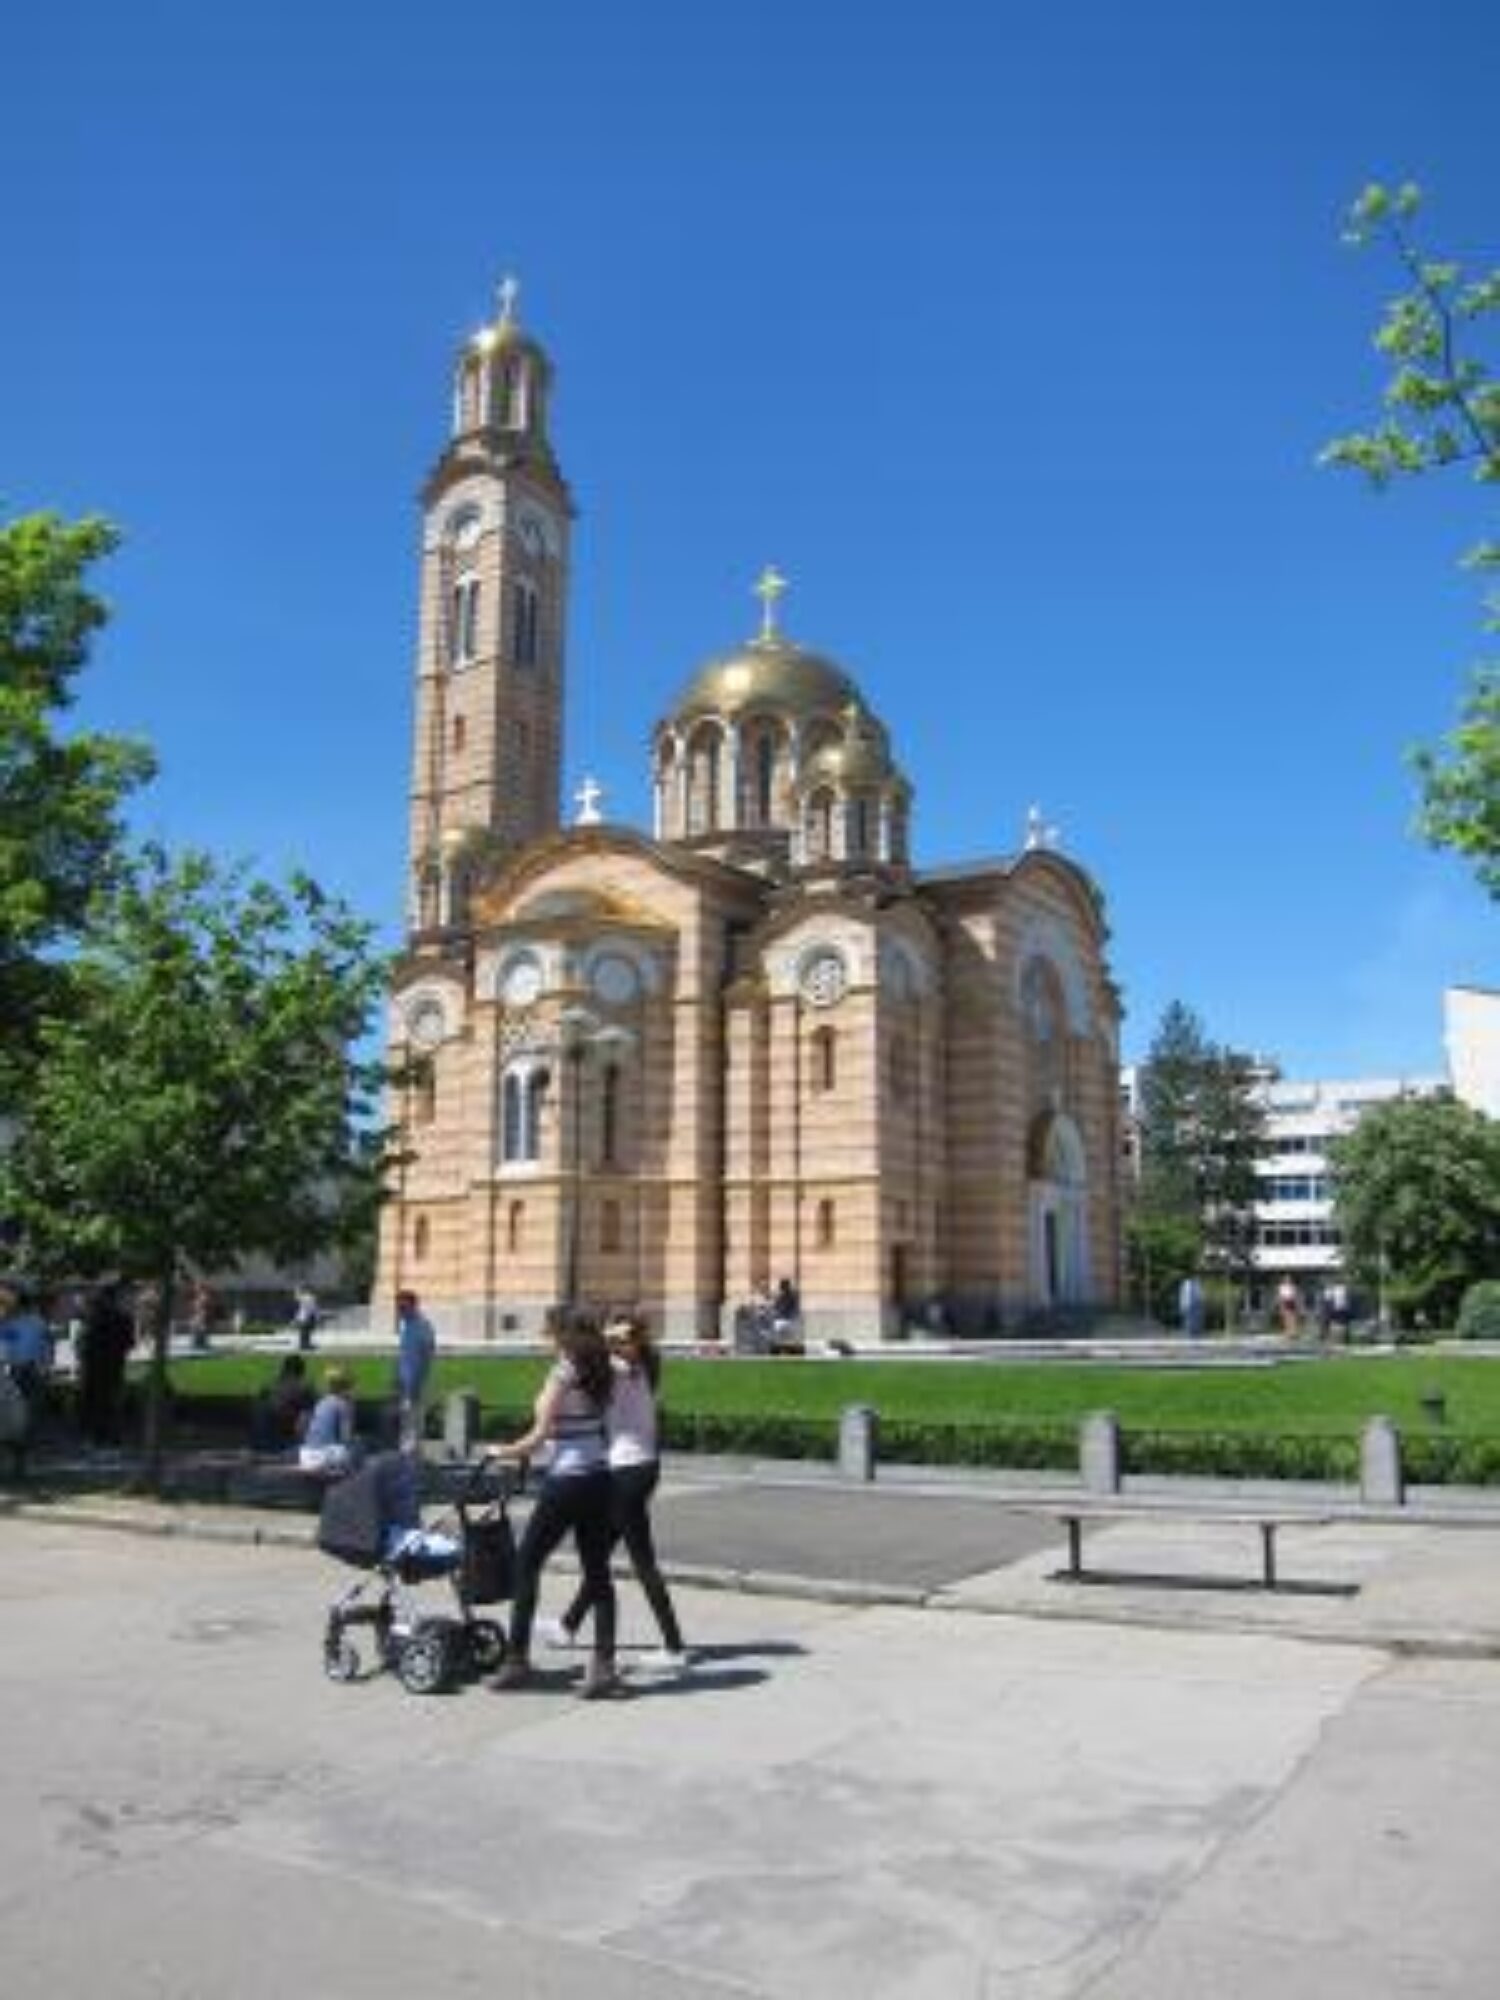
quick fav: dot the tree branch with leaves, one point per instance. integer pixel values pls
(1442, 404)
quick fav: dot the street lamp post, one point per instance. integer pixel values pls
(581, 1036)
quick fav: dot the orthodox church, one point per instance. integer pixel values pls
(759, 1043)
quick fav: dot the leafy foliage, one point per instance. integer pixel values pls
(198, 1101)
(1442, 404)
(1202, 1128)
(60, 796)
(1417, 1196)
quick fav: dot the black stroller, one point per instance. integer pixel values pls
(372, 1520)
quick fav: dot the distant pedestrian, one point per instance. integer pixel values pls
(786, 1318)
(1289, 1306)
(416, 1345)
(1190, 1306)
(203, 1311)
(25, 1344)
(1340, 1310)
(633, 1432)
(305, 1318)
(104, 1344)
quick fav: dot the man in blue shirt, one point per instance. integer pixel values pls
(416, 1343)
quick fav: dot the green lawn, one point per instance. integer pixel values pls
(1331, 1398)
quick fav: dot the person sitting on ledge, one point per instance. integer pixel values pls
(329, 1444)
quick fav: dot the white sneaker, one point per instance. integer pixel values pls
(663, 1661)
(552, 1632)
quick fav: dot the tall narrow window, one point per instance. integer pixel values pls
(826, 1227)
(463, 621)
(536, 1097)
(820, 827)
(460, 735)
(825, 1059)
(424, 1093)
(609, 1226)
(515, 1226)
(512, 1116)
(765, 774)
(419, 1239)
(525, 623)
(859, 826)
(609, 1119)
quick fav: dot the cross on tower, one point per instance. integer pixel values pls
(509, 291)
(770, 585)
(587, 798)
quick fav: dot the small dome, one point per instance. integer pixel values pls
(861, 757)
(768, 673)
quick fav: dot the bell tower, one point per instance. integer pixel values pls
(487, 749)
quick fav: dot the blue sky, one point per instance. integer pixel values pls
(1009, 333)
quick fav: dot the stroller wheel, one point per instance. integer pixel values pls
(487, 1644)
(340, 1658)
(423, 1665)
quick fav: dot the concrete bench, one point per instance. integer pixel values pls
(1266, 1519)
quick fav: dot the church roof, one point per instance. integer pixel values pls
(766, 673)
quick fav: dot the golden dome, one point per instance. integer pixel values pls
(767, 673)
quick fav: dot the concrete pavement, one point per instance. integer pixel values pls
(883, 1802)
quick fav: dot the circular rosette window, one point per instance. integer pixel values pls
(824, 978)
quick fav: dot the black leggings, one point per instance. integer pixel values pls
(631, 1488)
(580, 1502)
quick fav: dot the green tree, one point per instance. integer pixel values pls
(200, 1099)
(1417, 1197)
(60, 795)
(1442, 404)
(1202, 1128)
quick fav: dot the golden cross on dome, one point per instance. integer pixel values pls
(770, 585)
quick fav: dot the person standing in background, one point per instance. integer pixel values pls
(416, 1344)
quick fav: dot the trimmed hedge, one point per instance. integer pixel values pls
(1430, 1459)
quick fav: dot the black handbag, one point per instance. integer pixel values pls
(489, 1560)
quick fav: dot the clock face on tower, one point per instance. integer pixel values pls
(466, 529)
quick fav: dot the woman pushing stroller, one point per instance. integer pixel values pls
(635, 1467)
(574, 1497)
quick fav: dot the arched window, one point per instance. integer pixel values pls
(609, 1226)
(424, 1093)
(515, 1226)
(825, 1059)
(525, 623)
(609, 1118)
(420, 1235)
(521, 1098)
(826, 1226)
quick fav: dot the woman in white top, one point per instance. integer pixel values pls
(634, 1469)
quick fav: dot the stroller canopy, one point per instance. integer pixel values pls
(359, 1512)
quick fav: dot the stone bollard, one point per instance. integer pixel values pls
(1381, 1480)
(1099, 1452)
(859, 1428)
(460, 1424)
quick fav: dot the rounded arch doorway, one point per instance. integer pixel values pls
(1057, 1192)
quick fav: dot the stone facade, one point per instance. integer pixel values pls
(759, 1043)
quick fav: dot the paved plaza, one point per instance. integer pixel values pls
(1008, 1791)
